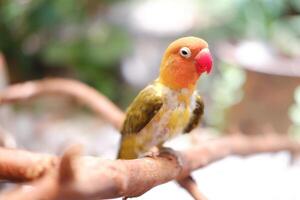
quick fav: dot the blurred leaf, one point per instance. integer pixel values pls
(225, 92)
(295, 114)
(297, 95)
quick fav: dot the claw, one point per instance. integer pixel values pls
(153, 153)
(169, 151)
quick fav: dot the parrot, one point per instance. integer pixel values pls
(170, 105)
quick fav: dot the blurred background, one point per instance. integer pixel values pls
(115, 46)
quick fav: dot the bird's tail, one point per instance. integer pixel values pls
(127, 148)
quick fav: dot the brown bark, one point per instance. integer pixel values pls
(191, 186)
(81, 92)
(82, 177)
(19, 165)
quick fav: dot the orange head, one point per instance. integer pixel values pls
(184, 61)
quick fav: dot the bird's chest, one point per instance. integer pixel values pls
(172, 118)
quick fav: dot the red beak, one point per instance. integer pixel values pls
(203, 61)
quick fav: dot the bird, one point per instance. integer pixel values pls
(170, 105)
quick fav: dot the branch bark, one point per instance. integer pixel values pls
(81, 92)
(95, 178)
(20, 165)
(79, 177)
(190, 185)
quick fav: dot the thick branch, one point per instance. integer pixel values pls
(19, 165)
(81, 92)
(97, 178)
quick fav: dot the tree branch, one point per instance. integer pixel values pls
(20, 165)
(81, 92)
(93, 178)
(190, 185)
(80, 177)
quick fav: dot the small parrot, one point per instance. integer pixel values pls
(170, 105)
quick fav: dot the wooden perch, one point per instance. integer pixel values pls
(83, 177)
(191, 186)
(81, 92)
(73, 176)
(19, 165)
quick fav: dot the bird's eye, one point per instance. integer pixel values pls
(185, 52)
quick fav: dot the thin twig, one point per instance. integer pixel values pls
(6, 139)
(190, 185)
(81, 92)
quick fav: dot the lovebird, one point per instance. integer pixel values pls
(170, 105)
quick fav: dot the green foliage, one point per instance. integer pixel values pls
(295, 114)
(226, 92)
(239, 19)
(62, 36)
(274, 22)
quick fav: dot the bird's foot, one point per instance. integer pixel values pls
(153, 153)
(166, 151)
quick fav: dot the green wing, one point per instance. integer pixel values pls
(196, 115)
(142, 110)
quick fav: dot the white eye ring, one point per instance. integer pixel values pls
(185, 52)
